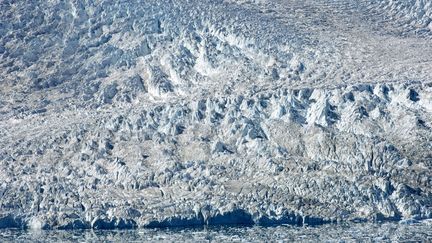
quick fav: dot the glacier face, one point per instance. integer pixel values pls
(121, 114)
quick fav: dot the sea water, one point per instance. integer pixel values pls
(406, 231)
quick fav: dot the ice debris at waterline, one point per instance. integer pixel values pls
(358, 232)
(124, 114)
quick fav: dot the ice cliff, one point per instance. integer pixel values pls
(123, 114)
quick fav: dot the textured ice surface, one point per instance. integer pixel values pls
(123, 114)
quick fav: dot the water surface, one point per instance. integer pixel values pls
(360, 232)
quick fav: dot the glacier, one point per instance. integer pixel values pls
(124, 114)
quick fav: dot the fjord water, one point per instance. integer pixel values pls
(356, 232)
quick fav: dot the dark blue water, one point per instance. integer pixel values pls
(385, 232)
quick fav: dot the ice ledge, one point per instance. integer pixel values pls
(236, 217)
